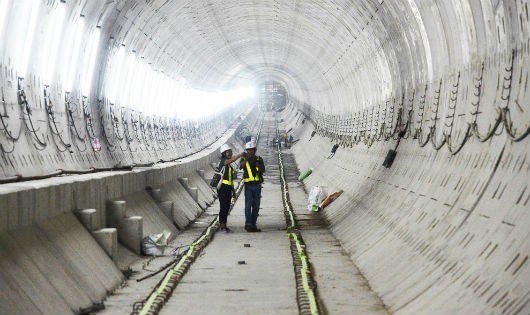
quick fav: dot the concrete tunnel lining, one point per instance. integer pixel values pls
(444, 230)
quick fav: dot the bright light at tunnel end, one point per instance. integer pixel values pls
(199, 104)
(133, 83)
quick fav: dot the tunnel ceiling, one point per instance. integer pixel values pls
(336, 55)
(310, 46)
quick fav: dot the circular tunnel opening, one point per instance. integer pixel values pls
(272, 97)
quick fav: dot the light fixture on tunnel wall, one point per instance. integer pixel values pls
(112, 78)
(4, 7)
(51, 43)
(125, 80)
(90, 61)
(71, 52)
(26, 36)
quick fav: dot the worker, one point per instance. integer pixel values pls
(226, 189)
(253, 169)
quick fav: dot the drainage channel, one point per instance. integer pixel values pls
(306, 296)
(305, 284)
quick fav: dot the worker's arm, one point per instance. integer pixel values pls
(233, 158)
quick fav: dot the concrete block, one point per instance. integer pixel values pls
(185, 182)
(87, 217)
(167, 209)
(108, 240)
(115, 212)
(155, 193)
(194, 192)
(130, 233)
(89, 193)
(201, 174)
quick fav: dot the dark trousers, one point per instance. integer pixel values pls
(225, 196)
(252, 201)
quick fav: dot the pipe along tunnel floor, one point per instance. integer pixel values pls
(253, 273)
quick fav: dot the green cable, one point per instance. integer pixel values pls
(172, 271)
(300, 250)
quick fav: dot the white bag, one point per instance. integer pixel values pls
(222, 174)
(316, 196)
(154, 245)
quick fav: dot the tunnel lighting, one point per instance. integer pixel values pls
(128, 76)
(51, 44)
(131, 82)
(146, 89)
(167, 95)
(173, 98)
(158, 96)
(113, 78)
(90, 62)
(71, 57)
(25, 48)
(139, 82)
(198, 104)
(156, 106)
(4, 4)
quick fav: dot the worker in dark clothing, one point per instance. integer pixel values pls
(227, 187)
(253, 169)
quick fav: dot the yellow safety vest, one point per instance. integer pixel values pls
(229, 181)
(251, 177)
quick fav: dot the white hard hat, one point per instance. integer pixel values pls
(250, 145)
(224, 147)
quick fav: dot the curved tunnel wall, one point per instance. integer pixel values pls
(50, 122)
(436, 233)
(447, 223)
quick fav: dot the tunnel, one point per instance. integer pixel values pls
(394, 136)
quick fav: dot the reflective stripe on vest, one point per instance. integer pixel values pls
(251, 177)
(229, 180)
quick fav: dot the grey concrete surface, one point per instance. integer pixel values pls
(231, 278)
(432, 223)
(184, 208)
(264, 284)
(342, 288)
(54, 268)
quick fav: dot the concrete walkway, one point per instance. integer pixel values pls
(230, 278)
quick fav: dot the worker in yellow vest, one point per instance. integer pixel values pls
(227, 187)
(253, 168)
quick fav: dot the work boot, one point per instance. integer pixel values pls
(252, 229)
